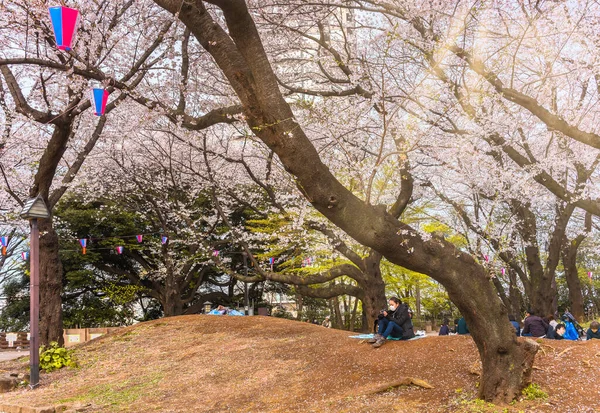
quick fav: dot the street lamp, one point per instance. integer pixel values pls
(246, 304)
(34, 209)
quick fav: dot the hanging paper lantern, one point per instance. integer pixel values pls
(503, 270)
(164, 239)
(139, 238)
(590, 275)
(83, 243)
(64, 23)
(25, 255)
(4, 244)
(119, 250)
(99, 99)
(215, 253)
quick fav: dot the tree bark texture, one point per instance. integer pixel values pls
(51, 286)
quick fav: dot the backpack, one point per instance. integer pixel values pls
(571, 332)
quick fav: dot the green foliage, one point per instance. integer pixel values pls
(534, 392)
(54, 358)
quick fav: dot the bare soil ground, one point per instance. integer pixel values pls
(263, 364)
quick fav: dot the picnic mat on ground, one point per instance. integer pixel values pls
(368, 336)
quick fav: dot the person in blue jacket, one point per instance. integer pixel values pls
(515, 323)
(444, 329)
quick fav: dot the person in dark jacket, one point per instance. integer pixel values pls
(534, 326)
(396, 323)
(462, 326)
(556, 333)
(515, 324)
(593, 331)
(444, 329)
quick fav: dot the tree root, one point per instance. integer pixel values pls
(405, 381)
(564, 351)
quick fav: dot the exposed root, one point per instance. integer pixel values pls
(538, 368)
(406, 381)
(564, 351)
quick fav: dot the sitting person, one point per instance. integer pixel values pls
(462, 328)
(444, 329)
(593, 331)
(534, 326)
(515, 324)
(395, 323)
(557, 333)
(550, 320)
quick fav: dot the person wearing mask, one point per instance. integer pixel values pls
(395, 323)
(557, 333)
(534, 326)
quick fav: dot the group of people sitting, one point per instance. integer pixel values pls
(548, 327)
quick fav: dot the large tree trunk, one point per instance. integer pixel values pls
(373, 302)
(51, 286)
(171, 298)
(240, 55)
(572, 277)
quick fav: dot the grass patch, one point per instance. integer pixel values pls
(118, 396)
(534, 392)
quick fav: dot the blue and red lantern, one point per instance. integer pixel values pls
(215, 253)
(4, 241)
(139, 238)
(119, 250)
(99, 99)
(83, 243)
(64, 23)
(271, 261)
(25, 255)
(164, 239)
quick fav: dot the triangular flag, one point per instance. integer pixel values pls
(590, 275)
(215, 253)
(25, 255)
(83, 243)
(119, 250)
(503, 271)
(4, 241)
(139, 238)
(164, 239)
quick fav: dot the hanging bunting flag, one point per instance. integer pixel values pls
(271, 261)
(99, 99)
(215, 253)
(119, 250)
(164, 239)
(64, 23)
(503, 270)
(487, 258)
(4, 244)
(83, 243)
(139, 238)
(25, 255)
(590, 275)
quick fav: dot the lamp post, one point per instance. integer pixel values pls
(246, 304)
(34, 209)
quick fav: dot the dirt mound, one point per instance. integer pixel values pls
(263, 364)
